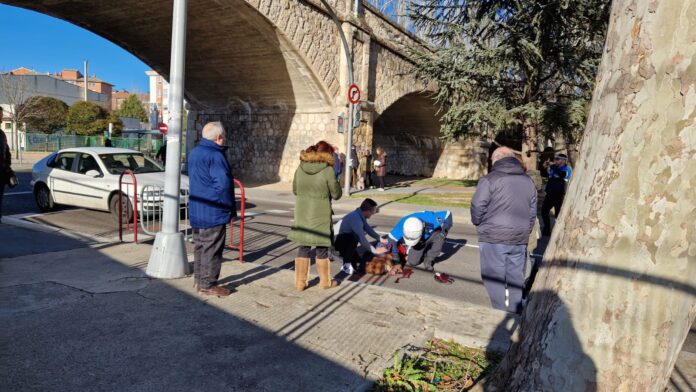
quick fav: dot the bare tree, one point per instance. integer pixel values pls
(15, 91)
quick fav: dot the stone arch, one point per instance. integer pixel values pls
(409, 130)
(265, 68)
(237, 53)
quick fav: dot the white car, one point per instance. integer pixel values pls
(88, 177)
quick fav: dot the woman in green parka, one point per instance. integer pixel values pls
(314, 186)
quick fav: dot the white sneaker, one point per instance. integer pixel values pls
(381, 189)
(348, 269)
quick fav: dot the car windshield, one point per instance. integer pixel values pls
(137, 163)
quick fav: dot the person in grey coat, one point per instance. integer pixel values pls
(503, 210)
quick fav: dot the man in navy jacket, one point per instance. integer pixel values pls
(503, 210)
(211, 207)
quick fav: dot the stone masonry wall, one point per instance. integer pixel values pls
(265, 146)
(428, 156)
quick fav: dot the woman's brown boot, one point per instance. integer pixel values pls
(324, 269)
(301, 273)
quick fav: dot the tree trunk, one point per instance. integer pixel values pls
(530, 147)
(615, 298)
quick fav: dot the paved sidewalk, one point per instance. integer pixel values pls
(89, 319)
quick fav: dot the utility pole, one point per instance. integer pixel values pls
(351, 108)
(86, 79)
(168, 258)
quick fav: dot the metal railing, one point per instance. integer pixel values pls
(134, 208)
(231, 245)
(151, 209)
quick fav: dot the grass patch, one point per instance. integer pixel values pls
(449, 199)
(439, 366)
(437, 183)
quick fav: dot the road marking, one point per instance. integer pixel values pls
(277, 211)
(18, 193)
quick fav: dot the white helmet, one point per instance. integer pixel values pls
(413, 230)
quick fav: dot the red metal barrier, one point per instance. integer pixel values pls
(240, 217)
(135, 206)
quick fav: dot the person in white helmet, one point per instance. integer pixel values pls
(422, 234)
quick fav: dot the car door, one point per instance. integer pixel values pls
(88, 190)
(61, 176)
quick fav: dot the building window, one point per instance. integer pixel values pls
(8, 126)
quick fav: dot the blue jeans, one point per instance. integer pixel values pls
(502, 266)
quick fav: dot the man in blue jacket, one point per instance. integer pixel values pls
(559, 176)
(423, 234)
(211, 207)
(503, 210)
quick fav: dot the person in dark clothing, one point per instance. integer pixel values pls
(351, 233)
(503, 210)
(353, 163)
(337, 163)
(162, 154)
(559, 175)
(366, 167)
(5, 163)
(107, 142)
(211, 207)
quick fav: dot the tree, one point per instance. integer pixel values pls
(45, 114)
(620, 270)
(15, 90)
(133, 108)
(510, 66)
(103, 124)
(84, 116)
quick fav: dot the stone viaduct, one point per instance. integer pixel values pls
(274, 72)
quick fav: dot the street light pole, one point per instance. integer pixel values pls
(168, 258)
(351, 108)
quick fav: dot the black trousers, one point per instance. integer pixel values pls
(2, 193)
(427, 250)
(207, 255)
(368, 179)
(321, 252)
(346, 245)
(550, 201)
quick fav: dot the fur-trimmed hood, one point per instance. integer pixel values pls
(314, 162)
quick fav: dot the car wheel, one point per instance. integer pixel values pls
(43, 197)
(126, 209)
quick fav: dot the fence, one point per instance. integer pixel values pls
(40, 142)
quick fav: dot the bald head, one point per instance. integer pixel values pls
(214, 131)
(500, 153)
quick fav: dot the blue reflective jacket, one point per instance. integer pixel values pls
(211, 201)
(432, 221)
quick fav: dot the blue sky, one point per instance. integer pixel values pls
(47, 44)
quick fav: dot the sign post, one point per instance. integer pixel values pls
(163, 128)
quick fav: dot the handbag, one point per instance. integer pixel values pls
(13, 181)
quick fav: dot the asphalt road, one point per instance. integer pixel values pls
(267, 225)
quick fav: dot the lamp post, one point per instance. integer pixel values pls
(168, 258)
(351, 108)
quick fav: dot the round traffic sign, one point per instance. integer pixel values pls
(163, 128)
(353, 94)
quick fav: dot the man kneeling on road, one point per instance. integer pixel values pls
(351, 233)
(423, 234)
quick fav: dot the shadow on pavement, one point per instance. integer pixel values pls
(81, 320)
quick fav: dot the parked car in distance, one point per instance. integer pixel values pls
(88, 177)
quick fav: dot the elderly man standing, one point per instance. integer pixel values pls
(503, 210)
(211, 207)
